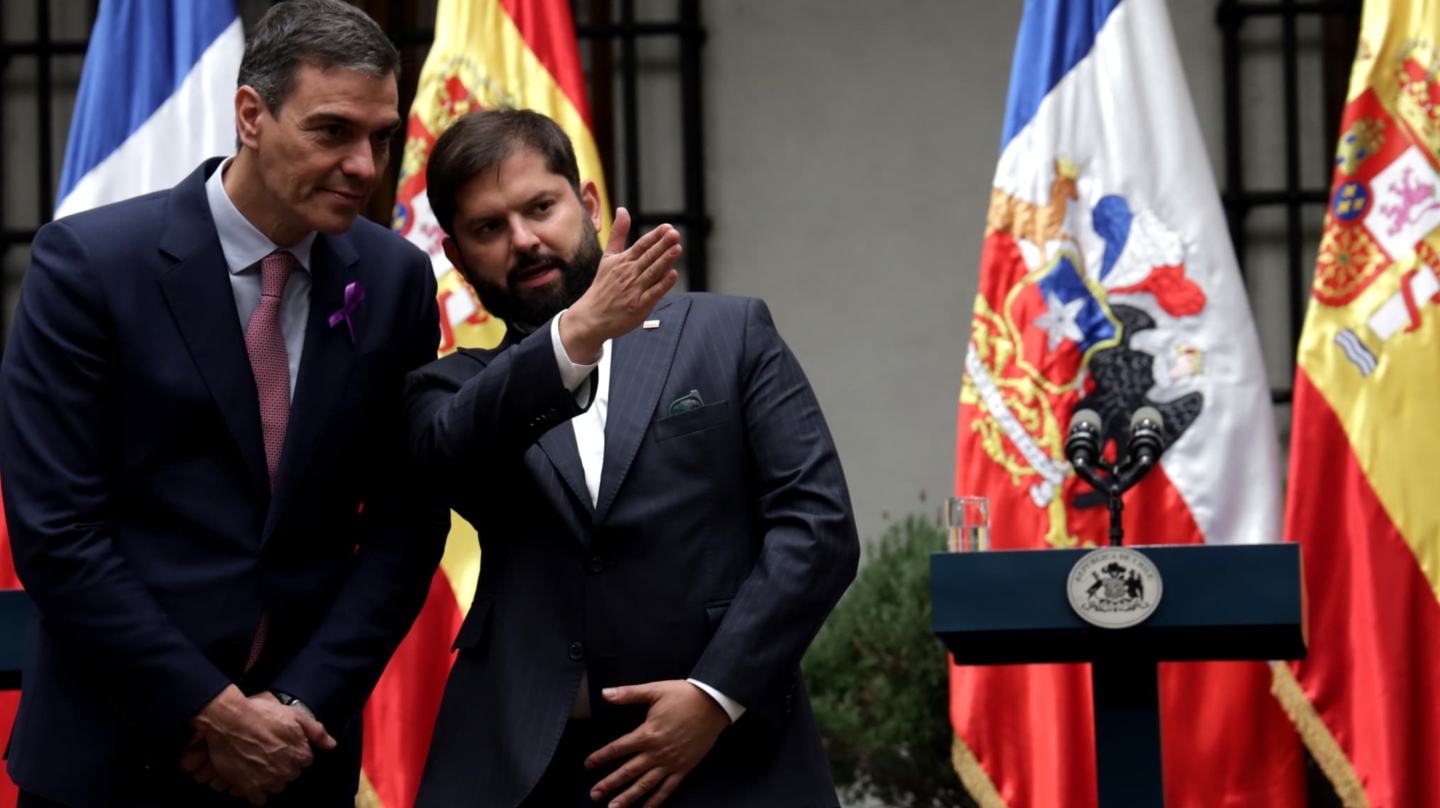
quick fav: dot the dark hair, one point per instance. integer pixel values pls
(328, 34)
(486, 138)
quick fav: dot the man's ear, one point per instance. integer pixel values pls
(249, 109)
(452, 252)
(590, 198)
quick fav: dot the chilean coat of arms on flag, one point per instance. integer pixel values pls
(1054, 333)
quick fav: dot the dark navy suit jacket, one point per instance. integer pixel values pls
(141, 517)
(722, 538)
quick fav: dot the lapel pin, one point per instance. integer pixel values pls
(651, 324)
(354, 293)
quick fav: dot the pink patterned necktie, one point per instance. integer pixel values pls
(269, 361)
(265, 343)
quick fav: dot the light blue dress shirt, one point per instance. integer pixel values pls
(244, 245)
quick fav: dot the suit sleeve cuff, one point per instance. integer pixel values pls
(572, 373)
(731, 707)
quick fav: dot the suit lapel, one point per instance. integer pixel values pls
(637, 373)
(560, 448)
(324, 366)
(197, 290)
(558, 455)
(563, 451)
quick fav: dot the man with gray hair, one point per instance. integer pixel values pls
(205, 480)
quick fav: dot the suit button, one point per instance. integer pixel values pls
(551, 415)
(595, 563)
(577, 651)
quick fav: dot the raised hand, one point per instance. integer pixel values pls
(627, 286)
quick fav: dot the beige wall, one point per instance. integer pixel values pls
(850, 154)
(850, 160)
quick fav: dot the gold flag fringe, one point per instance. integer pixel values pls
(1322, 745)
(973, 776)
(366, 797)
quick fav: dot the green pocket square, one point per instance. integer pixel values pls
(687, 402)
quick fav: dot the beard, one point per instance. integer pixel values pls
(530, 308)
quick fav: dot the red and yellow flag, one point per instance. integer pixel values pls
(9, 699)
(486, 54)
(1362, 497)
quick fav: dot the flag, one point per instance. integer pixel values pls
(157, 97)
(9, 699)
(1362, 502)
(1108, 282)
(492, 53)
(486, 54)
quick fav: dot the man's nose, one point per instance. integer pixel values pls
(522, 238)
(360, 164)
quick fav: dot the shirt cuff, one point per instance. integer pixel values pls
(731, 707)
(572, 374)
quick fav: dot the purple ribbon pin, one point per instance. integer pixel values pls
(354, 293)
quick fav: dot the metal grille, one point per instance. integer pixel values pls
(1339, 21)
(40, 53)
(602, 30)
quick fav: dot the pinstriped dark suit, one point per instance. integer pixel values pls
(720, 541)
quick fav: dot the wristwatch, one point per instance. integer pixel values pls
(290, 701)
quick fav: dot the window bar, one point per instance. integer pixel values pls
(1293, 235)
(1235, 203)
(5, 244)
(697, 223)
(629, 81)
(1287, 9)
(44, 116)
(397, 24)
(602, 88)
(596, 30)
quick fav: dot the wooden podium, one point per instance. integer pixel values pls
(1219, 602)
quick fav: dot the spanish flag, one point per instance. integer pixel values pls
(486, 54)
(1362, 500)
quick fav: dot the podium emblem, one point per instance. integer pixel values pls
(1114, 587)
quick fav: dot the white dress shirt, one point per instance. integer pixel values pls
(244, 245)
(590, 440)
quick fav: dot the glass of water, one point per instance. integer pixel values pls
(967, 520)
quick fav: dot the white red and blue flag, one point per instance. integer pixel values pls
(157, 97)
(1108, 282)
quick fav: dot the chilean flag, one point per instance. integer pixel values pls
(1108, 282)
(157, 97)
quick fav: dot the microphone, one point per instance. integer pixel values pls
(1147, 436)
(1082, 446)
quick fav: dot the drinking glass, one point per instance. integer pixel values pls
(967, 519)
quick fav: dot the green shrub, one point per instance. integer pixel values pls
(879, 681)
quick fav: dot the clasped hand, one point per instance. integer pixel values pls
(681, 726)
(251, 747)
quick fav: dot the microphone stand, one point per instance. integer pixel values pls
(1116, 481)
